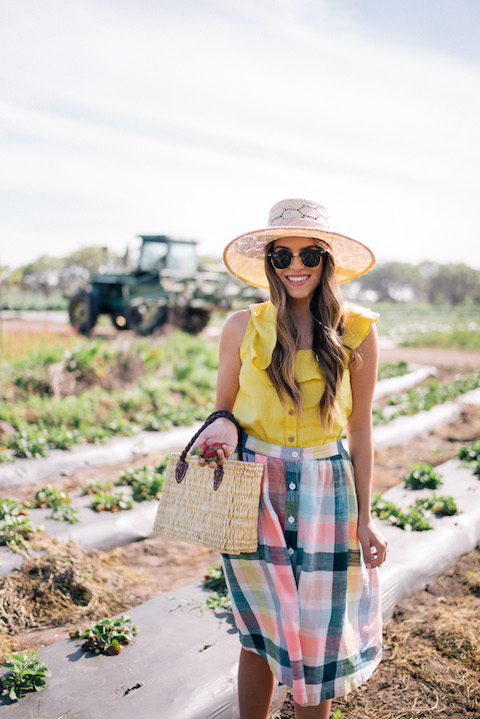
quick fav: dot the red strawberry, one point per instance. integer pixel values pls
(200, 450)
(211, 453)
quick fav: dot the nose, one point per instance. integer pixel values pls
(297, 264)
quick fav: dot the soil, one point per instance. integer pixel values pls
(401, 687)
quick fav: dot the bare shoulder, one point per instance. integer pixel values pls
(236, 323)
(369, 345)
(235, 327)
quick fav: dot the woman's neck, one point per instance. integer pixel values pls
(300, 312)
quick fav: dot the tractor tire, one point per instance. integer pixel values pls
(119, 321)
(145, 318)
(83, 312)
(195, 320)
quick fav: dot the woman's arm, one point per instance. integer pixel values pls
(363, 375)
(222, 430)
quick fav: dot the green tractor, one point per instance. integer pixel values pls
(167, 285)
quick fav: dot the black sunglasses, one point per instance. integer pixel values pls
(281, 259)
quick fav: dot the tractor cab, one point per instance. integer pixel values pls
(159, 252)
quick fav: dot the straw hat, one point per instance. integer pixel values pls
(245, 256)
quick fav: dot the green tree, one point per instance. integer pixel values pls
(394, 281)
(41, 275)
(454, 285)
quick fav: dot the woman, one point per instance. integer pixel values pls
(296, 371)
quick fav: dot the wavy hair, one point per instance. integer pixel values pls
(328, 320)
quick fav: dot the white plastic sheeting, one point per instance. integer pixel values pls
(415, 558)
(392, 385)
(121, 449)
(403, 429)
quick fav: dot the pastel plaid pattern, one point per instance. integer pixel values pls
(305, 600)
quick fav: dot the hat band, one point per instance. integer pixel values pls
(303, 223)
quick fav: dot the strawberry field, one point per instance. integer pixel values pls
(61, 392)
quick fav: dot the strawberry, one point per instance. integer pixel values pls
(200, 450)
(210, 454)
(208, 451)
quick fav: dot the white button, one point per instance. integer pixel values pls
(292, 485)
(290, 551)
(294, 454)
(291, 520)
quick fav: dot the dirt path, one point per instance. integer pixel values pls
(447, 358)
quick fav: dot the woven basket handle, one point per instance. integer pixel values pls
(182, 465)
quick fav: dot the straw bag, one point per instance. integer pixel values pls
(215, 508)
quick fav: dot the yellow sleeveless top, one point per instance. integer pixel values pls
(257, 406)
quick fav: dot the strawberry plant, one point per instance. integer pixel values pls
(217, 601)
(440, 506)
(15, 526)
(218, 597)
(146, 482)
(413, 519)
(28, 443)
(422, 476)
(94, 486)
(26, 673)
(111, 502)
(106, 636)
(426, 396)
(63, 438)
(470, 453)
(392, 369)
(215, 579)
(6, 455)
(58, 501)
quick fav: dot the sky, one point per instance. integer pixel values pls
(193, 117)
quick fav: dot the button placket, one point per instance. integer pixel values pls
(292, 468)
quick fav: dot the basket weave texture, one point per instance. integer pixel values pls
(225, 519)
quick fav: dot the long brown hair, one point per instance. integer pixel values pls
(328, 320)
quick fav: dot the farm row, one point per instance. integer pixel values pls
(122, 389)
(56, 398)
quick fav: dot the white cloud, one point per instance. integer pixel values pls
(122, 118)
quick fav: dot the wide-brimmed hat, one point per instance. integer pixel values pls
(244, 257)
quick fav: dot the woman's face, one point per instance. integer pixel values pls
(299, 281)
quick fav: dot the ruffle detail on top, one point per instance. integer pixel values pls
(357, 324)
(264, 337)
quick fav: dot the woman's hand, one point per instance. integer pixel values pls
(223, 432)
(373, 544)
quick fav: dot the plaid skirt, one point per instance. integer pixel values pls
(305, 601)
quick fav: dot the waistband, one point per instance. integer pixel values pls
(292, 454)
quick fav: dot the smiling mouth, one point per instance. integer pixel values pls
(297, 279)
